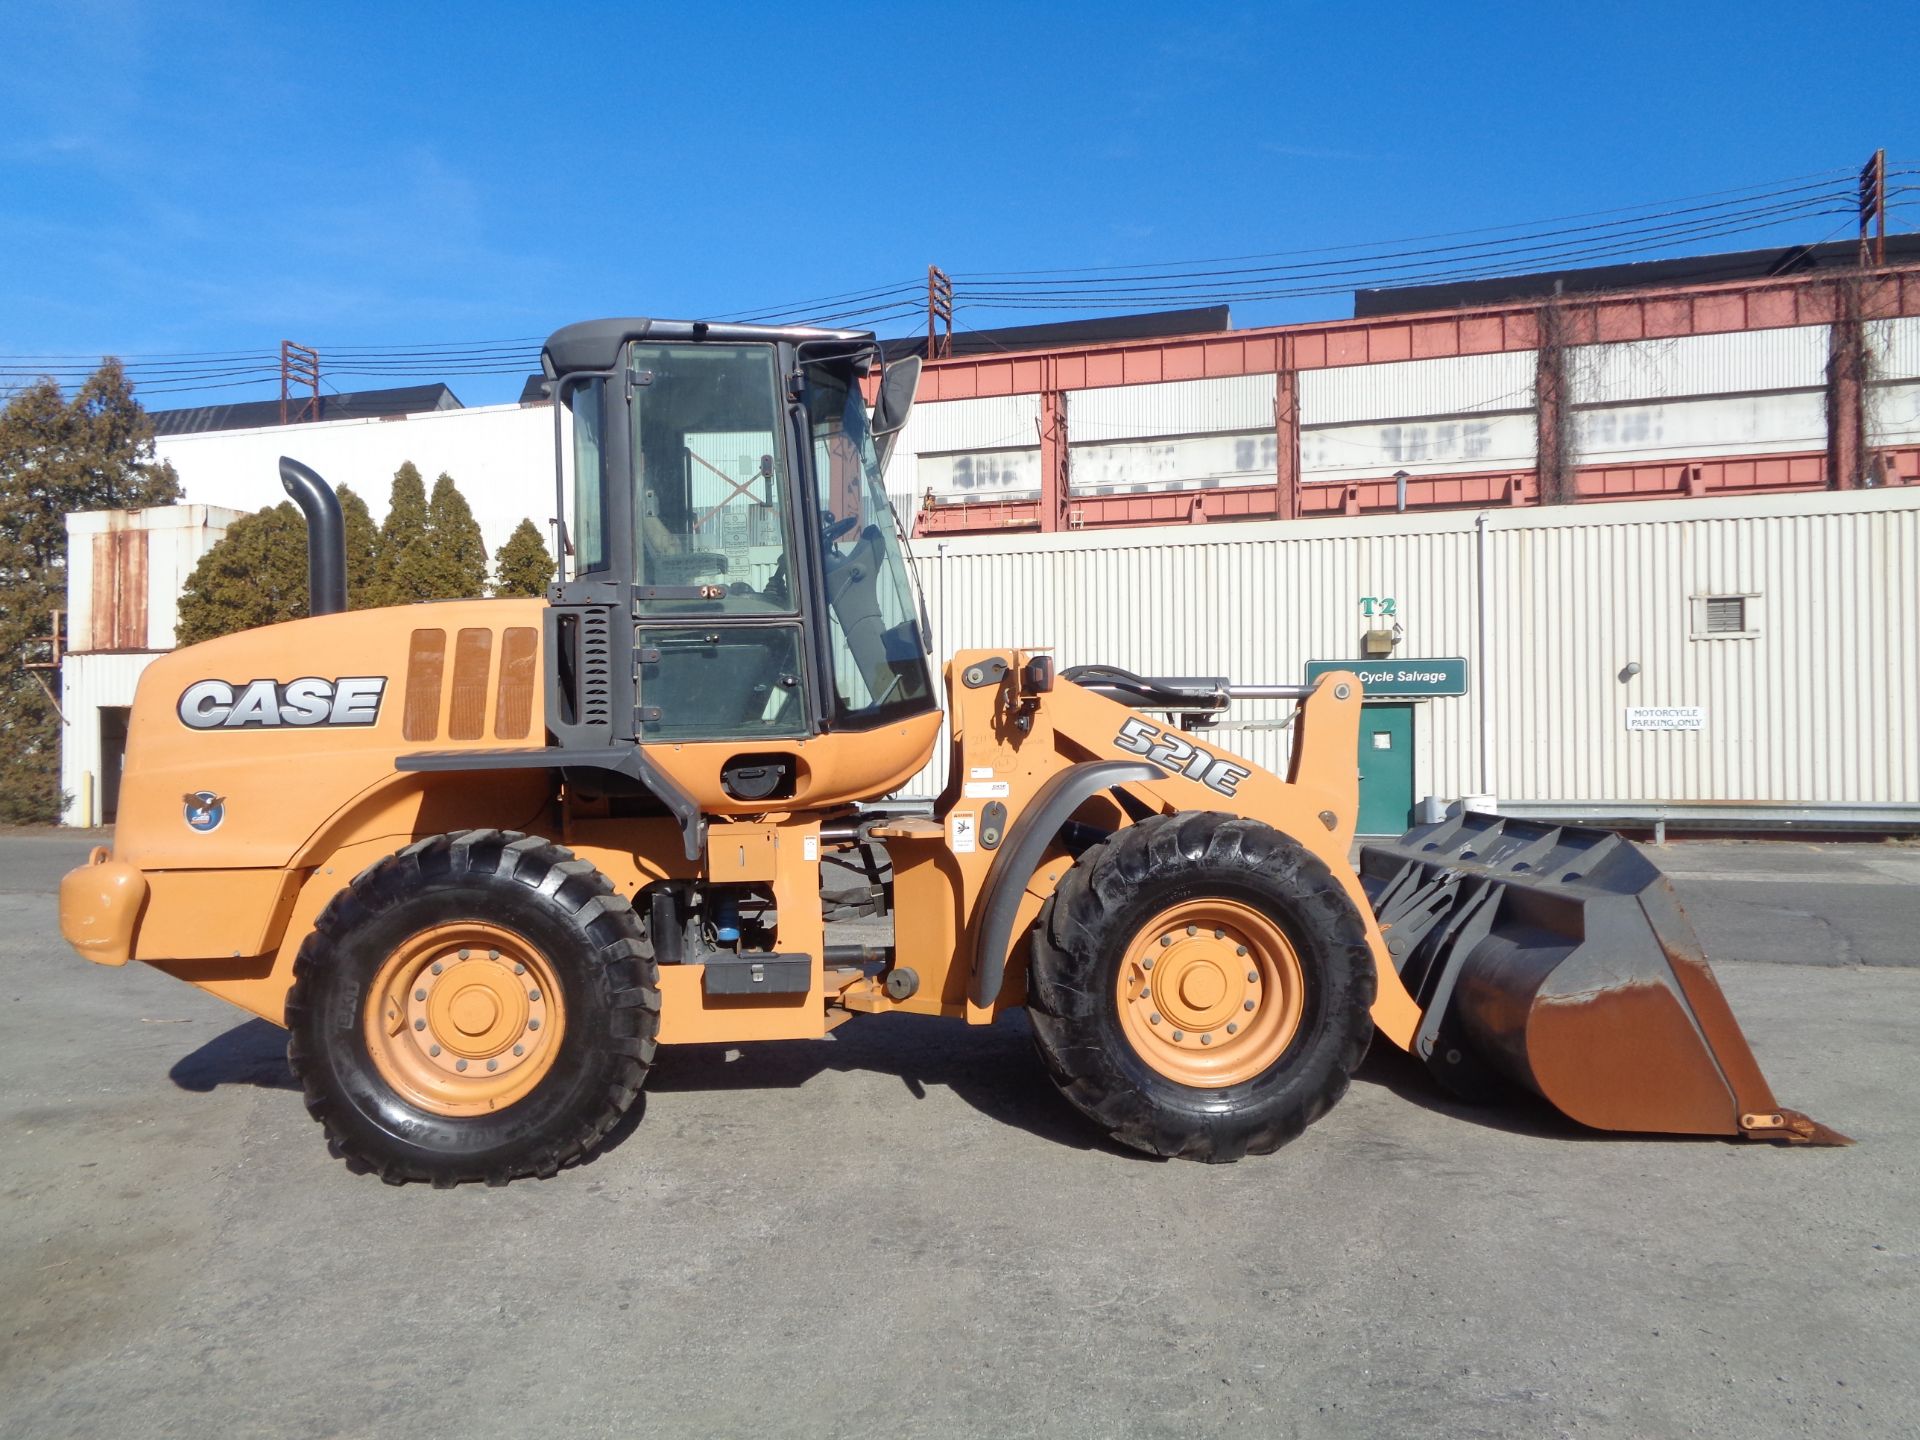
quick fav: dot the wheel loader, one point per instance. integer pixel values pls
(482, 858)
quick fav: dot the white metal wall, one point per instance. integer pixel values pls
(987, 449)
(1893, 396)
(1823, 704)
(1428, 417)
(500, 455)
(89, 683)
(1750, 392)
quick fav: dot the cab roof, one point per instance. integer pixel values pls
(595, 344)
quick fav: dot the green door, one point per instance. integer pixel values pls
(1386, 769)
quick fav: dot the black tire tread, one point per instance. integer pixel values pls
(1068, 983)
(622, 953)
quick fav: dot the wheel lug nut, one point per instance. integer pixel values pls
(1165, 940)
(1233, 1027)
(465, 953)
(419, 1024)
(519, 969)
(1206, 1039)
(1154, 1018)
(1239, 949)
(533, 994)
(459, 1064)
(1219, 934)
(493, 1064)
(493, 954)
(1247, 1006)
(437, 967)
(433, 1050)
(1147, 964)
(533, 1024)
(1253, 977)
(420, 994)
(1178, 1036)
(519, 1049)
(1192, 930)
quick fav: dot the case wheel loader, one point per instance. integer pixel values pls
(481, 858)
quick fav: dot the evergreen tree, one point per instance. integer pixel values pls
(363, 541)
(456, 550)
(400, 549)
(57, 455)
(522, 565)
(256, 575)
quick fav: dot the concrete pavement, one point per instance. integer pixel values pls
(901, 1231)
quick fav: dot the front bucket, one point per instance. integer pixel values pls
(1558, 959)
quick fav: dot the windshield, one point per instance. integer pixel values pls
(879, 651)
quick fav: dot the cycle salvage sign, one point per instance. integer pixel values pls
(1445, 676)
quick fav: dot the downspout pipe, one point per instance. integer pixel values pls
(1480, 623)
(326, 537)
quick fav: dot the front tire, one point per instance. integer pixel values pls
(479, 1006)
(1201, 986)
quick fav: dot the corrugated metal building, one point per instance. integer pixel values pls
(1777, 629)
(125, 572)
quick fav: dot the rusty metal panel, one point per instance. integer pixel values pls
(117, 608)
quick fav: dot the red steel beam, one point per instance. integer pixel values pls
(1765, 304)
(1635, 480)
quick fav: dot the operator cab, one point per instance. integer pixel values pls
(731, 547)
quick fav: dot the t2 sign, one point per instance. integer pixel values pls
(1177, 753)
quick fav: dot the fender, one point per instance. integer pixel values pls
(1027, 840)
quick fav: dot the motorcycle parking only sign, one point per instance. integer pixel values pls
(1666, 717)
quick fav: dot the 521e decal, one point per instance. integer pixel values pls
(1164, 747)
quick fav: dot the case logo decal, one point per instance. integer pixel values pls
(263, 704)
(205, 810)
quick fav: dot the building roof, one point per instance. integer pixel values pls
(258, 414)
(1059, 334)
(1640, 275)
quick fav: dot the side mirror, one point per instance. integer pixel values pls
(898, 384)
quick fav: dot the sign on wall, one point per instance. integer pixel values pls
(1444, 676)
(1666, 717)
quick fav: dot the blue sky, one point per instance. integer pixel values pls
(209, 177)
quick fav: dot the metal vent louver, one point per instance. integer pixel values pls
(1726, 614)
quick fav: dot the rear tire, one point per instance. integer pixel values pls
(479, 1006)
(1250, 930)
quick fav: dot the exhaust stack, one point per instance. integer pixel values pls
(326, 537)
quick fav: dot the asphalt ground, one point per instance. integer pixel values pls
(901, 1231)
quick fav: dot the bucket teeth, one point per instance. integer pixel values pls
(1791, 1127)
(1557, 959)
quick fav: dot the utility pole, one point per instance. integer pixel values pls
(1873, 209)
(299, 368)
(939, 307)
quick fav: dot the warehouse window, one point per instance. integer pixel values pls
(1725, 617)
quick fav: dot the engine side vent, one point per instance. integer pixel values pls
(595, 668)
(581, 695)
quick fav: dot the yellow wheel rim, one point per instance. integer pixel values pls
(1211, 993)
(464, 1019)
